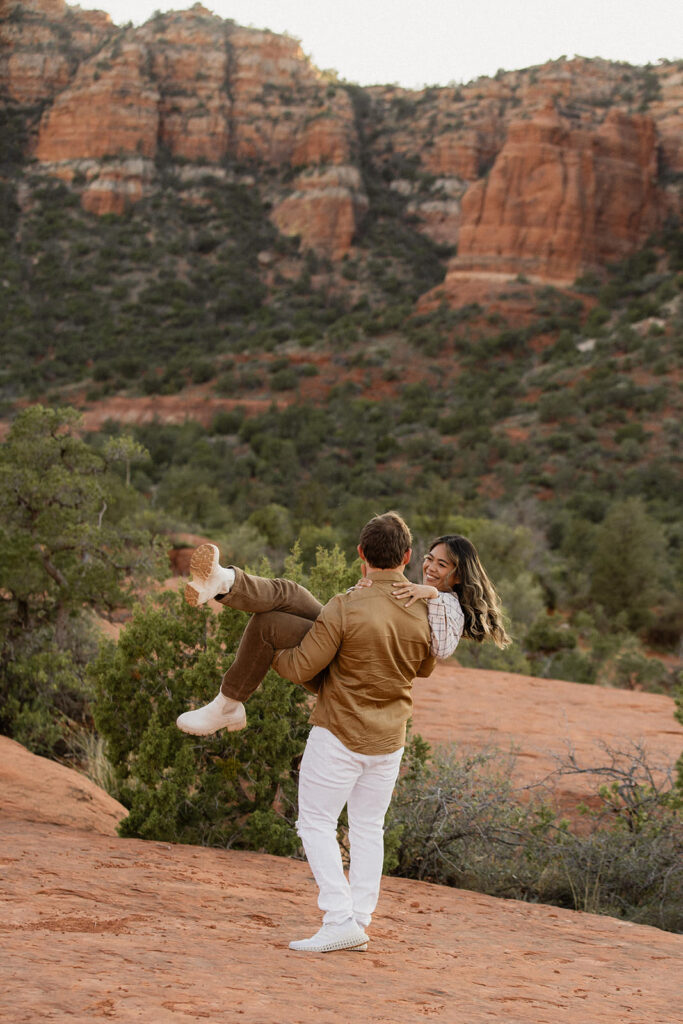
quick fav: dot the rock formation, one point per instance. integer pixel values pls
(547, 171)
(42, 43)
(191, 88)
(34, 789)
(561, 199)
(324, 210)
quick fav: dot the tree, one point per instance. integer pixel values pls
(627, 567)
(71, 540)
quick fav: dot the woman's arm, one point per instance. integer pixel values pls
(446, 621)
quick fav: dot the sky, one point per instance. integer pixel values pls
(433, 42)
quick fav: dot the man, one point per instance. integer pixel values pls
(363, 650)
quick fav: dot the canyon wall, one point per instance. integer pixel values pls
(547, 172)
(561, 198)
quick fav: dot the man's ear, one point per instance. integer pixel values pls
(408, 555)
(364, 565)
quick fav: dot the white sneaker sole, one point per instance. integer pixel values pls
(330, 947)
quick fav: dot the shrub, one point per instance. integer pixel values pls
(629, 667)
(457, 819)
(231, 789)
(219, 790)
(572, 665)
(558, 405)
(545, 637)
(284, 380)
(227, 421)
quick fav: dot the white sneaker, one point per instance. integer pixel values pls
(208, 575)
(221, 713)
(332, 937)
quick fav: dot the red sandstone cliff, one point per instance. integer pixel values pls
(42, 43)
(546, 171)
(559, 199)
(191, 87)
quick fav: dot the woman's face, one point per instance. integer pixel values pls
(438, 569)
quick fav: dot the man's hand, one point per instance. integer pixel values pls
(413, 592)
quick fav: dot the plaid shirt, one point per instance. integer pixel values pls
(446, 621)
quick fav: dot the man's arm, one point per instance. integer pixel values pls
(318, 647)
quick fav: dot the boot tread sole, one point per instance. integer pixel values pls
(204, 560)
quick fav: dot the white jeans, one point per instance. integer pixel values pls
(330, 776)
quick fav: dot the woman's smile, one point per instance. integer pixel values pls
(437, 569)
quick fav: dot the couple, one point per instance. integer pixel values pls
(359, 654)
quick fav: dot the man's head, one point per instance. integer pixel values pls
(385, 542)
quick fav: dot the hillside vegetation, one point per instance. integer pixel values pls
(544, 424)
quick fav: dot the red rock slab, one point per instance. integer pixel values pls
(543, 719)
(37, 790)
(103, 928)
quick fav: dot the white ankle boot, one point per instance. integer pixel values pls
(208, 576)
(221, 713)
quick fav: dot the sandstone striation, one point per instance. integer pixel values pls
(550, 171)
(192, 88)
(110, 110)
(42, 43)
(187, 62)
(116, 185)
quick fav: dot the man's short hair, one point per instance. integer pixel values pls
(385, 540)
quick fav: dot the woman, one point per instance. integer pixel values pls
(452, 565)
(461, 601)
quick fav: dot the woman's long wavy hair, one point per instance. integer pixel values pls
(479, 601)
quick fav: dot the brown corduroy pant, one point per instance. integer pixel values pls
(282, 614)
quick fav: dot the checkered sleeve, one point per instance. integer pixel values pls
(446, 622)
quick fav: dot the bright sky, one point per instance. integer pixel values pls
(433, 42)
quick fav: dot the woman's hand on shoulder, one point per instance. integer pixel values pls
(412, 592)
(363, 582)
